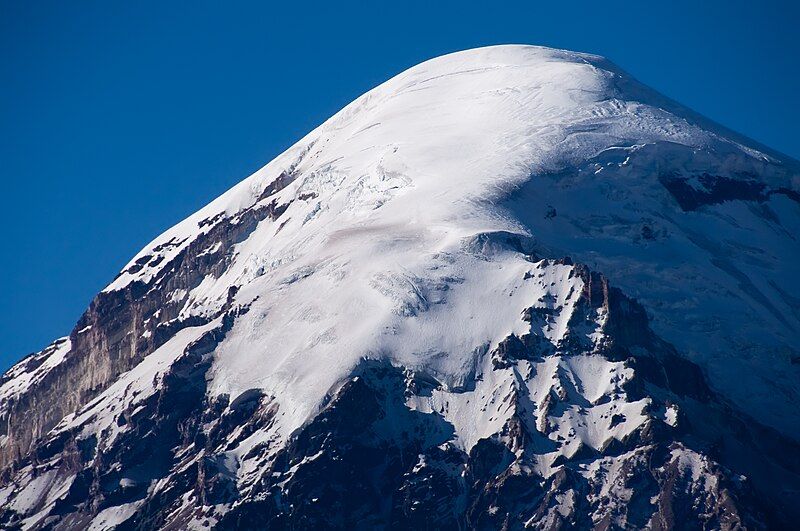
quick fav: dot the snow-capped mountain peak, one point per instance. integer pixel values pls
(508, 257)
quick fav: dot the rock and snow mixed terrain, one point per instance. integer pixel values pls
(510, 287)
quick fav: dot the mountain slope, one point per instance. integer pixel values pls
(510, 286)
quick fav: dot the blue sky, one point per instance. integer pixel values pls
(118, 119)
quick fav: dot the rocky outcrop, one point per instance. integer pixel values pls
(385, 451)
(692, 193)
(121, 327)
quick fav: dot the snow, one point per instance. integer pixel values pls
(695, 465)
(34, 492)
(21, 376)
(671, 415)
(111, 517)
(395, 245)
(131, 388)
(40, 491)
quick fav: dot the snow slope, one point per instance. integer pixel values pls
(430, 221)
(390, 194)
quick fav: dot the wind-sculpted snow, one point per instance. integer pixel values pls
(383, 196)
(544, 288)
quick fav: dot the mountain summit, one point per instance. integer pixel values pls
(510, 287)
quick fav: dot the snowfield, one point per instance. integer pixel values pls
(388, 195)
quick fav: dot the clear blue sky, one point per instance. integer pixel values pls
(118, 119)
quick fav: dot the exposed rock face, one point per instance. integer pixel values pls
(538, 296)
(120, 328)
(692, 193)
(382, 452)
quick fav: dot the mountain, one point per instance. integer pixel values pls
(510, 287)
